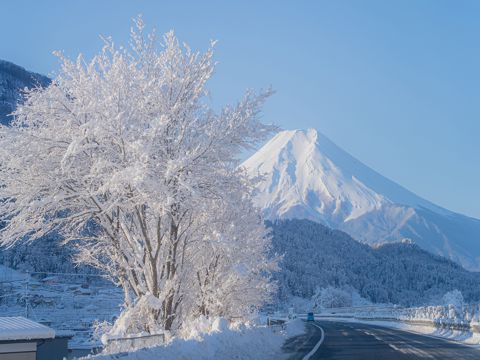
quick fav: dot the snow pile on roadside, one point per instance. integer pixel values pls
(294, 328)
(467, 337)
(217, 339)
(456, 315)
(461, 315)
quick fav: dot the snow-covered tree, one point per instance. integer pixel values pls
(331, 297)
(124, 157)
(454, 298)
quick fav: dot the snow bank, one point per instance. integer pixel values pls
(461, 315)
(294, 328)
(452, 315)
(217, 339)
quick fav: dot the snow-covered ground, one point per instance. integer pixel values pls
(218, 339)
(67, 303)
(74, 303)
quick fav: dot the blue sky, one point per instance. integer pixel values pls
(395, 83)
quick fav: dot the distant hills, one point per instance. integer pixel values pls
(13, 79)
(316, 256)
(307, 176)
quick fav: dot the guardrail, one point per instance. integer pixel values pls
(125, 344)
(277, 322)
(462, 318)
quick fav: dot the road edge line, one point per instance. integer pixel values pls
(317, 345)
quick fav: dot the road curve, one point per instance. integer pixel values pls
(356, 341)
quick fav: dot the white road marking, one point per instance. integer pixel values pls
(404, 347)
(375, 336)
(317, 345)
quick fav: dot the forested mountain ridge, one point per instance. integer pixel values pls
(13, 79)
(315, 256)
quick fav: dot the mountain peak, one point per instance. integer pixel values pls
(311, 134)
(307, 176)
(320, 163)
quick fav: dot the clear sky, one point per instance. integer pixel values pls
(395, 83)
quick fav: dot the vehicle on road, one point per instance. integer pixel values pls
(310, 317)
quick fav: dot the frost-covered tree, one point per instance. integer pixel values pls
(454, 298)
(124, 157)
(331, 297)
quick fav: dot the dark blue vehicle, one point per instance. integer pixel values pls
(310, 317)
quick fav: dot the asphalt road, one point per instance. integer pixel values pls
(355, 341)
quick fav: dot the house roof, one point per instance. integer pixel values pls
(20, 328)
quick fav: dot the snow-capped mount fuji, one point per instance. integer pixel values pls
(307, 176)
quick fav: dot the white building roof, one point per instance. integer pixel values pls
(20, 328)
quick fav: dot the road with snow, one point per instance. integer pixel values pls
(354, 341)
